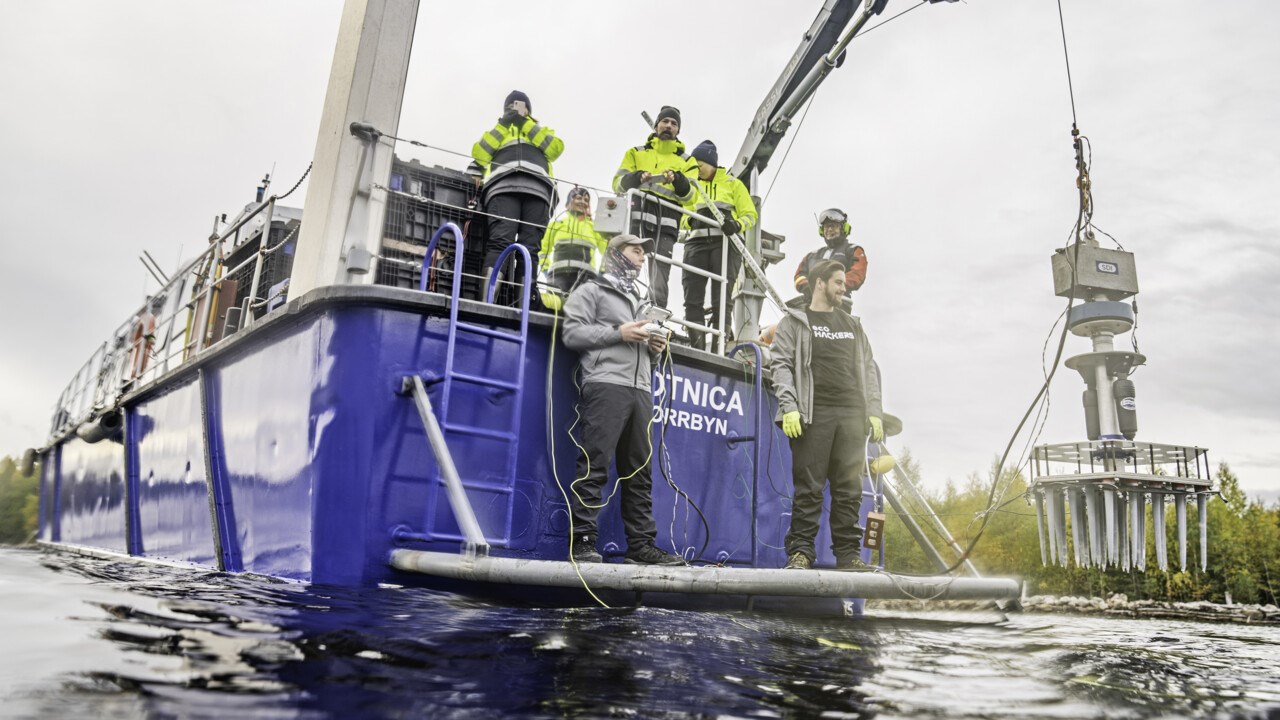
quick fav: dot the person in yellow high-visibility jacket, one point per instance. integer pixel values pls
(704, 244)
(571, 248)
(664, 172)
(519, 188)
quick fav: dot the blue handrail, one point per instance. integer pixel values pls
(512, 436)
(758, 430)
(457, 255)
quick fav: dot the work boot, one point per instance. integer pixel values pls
(798, 561)
(584, 550)
(651, 555)
(854, 565)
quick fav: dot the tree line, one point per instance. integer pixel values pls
(19, 503)
(1243, 544)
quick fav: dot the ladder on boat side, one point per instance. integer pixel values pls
(438, 428)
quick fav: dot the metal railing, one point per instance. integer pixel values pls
(150, 344)
(718, 332)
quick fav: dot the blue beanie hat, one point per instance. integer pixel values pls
(517, 95)
(706, 152)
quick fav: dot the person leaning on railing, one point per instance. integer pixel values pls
(571, 248)
(704, 244)
(662, 170)
(518, 189)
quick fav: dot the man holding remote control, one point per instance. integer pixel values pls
(604, 321)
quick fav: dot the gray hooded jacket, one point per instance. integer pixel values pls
(793, 378)
(592, 316)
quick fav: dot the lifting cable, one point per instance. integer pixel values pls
(1082, 226)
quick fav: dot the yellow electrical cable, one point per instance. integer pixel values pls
(555, 325)
(555, 473)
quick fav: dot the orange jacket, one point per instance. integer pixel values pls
(853, 257)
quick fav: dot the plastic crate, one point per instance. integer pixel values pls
(276, 267)
(447, 196)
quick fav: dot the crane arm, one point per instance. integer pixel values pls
(821, 50)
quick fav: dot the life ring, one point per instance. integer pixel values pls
(141, 341)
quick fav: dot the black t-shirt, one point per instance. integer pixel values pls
(835, 382)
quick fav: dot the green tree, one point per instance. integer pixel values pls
(19, 502)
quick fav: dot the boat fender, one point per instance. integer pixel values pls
(103, 427)
(141, 340)
(28, 463)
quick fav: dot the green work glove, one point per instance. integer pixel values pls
(877, 428)
(791, 424)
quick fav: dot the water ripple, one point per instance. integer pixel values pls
(87, 636)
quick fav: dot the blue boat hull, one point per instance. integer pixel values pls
(288, 451)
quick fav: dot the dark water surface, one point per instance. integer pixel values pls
(85, 637)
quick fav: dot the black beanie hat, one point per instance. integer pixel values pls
(706, 152)
(668, 112)
(517, 95)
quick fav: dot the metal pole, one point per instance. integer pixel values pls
(1039, 498)
(914, 528)
(747, 260)
(1180, 508)
(724, 293)
(462, 510)
(941, 529)
(1202, 502)
(1078, 525)
(1157, 529)
(264, 240)
(710, 580)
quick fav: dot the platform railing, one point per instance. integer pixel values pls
(717, 332)
(144, 347)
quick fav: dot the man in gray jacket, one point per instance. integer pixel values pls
(828, 392)
(604, 321)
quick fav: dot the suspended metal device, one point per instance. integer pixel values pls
(1101, 492)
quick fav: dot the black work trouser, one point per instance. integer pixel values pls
(615, 426)
(518, 217)
(831, 448)
(659, 223)
(706, 255)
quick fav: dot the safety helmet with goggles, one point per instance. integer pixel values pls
(834, 215)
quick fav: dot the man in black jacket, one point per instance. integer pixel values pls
(828, 390)
(518, 190)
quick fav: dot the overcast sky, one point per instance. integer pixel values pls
(129, 125)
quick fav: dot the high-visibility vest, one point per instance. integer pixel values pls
(730, 196)
(579, 231)
(527, 146)
(656, 157)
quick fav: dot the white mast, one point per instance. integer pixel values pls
(342, 225)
